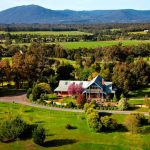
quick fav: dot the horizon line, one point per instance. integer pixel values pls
(76, 9)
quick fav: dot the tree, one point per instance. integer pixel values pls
(65, 72)
(39, 89)
(122, 77)
(81, 100)
(12, 128)
(108, 123)
(140, 70)
(5, 71)
(123, 105)
(19, 68)
(75, 89)
(39, 135)
(93, 121)
(133, 122)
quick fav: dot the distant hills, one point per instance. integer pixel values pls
(38, 14)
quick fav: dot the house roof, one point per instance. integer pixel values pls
(64, 84)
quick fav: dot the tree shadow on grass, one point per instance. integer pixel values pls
(102, 114)
(28, 132)
(59, 142)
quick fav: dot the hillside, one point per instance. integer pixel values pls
(38, 14)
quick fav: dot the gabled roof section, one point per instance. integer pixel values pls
(97, 80)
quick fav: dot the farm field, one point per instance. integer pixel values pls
(48, 32)
(81, 138)
(95, 44)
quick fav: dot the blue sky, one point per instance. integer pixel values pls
(81, 4)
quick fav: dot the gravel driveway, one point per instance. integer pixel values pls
(21, 99)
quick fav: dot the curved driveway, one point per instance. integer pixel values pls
(21, 99)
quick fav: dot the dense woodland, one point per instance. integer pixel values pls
(124, 65)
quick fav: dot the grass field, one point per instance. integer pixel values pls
(59, 138)
(140, 93)
(95, 44)
(138, 32)
(49, 32)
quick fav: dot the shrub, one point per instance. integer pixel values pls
(38, 135)
(70, 105)
(40, 88)
(115, 98)
(90, 110)
(10, 129)
(93, 121)
(29, 91)
(86, 106)
(43, 96)
(133, 122)
(81, 100)
(36, 93)
(108, 123)
(31, 97)
(123, 105)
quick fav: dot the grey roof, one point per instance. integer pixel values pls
(64, 84)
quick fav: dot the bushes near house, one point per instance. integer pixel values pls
(39, 135)
(81, 100)
(39, 91)
(123, 104)
(99, 123)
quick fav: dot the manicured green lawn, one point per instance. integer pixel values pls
(140, 93)
(59, 138)
(136, 102)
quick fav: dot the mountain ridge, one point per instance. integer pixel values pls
(37, 14)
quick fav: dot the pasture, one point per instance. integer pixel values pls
(95, 44)
(60, 138)
(48, 32)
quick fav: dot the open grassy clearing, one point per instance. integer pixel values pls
(95, 44)
(138, 32)
(48, 32)
(59, 138)
(140, 93)
(66, 61)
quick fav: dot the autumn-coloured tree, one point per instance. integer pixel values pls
(19, 68)
(5, 70)
(75, 89)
